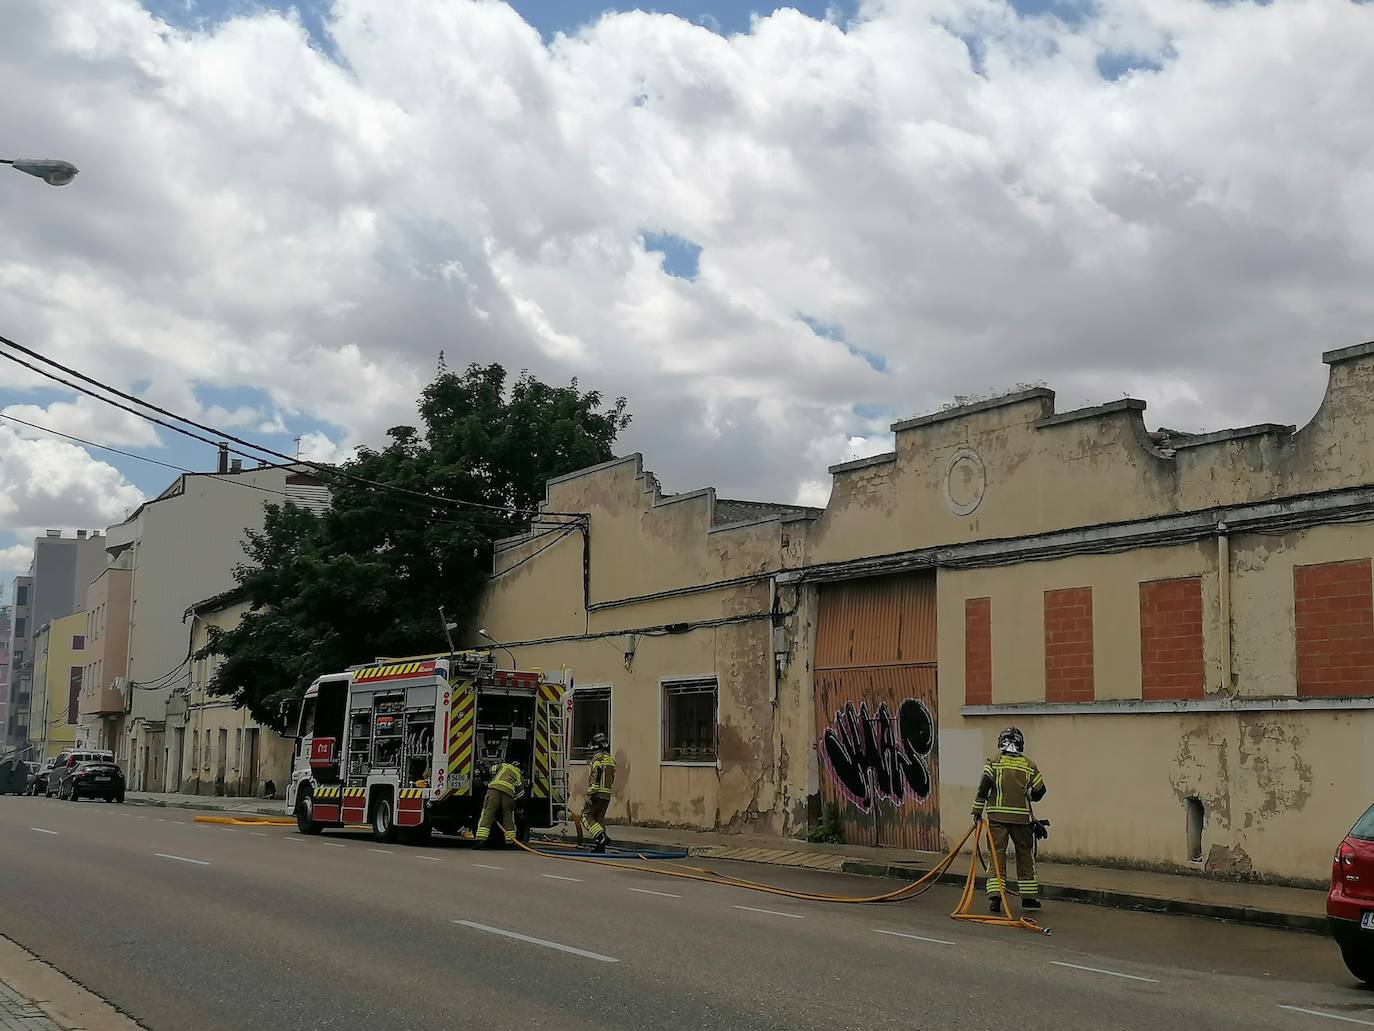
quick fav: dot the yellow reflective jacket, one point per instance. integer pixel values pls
(1009, 785)
(508, 780)
(601, 775)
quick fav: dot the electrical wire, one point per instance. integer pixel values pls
(562, 532)
(328, 470)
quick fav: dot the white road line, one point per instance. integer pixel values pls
(334, 844)
(42, 830)
(771, 912)
(913, 937)
(159, 819)
(430, 859)
(297, 840)
(559, 877)
(482, 866)
(1328, 1016)
(646, 891)
(539, 941)
(382, 851)
(258, 834)
(145, 817)
(1109, 973)
(181, 859)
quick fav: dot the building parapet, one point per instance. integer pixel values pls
(1123, 404)
(959, 411)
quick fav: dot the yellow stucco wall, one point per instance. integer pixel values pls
(53, 663)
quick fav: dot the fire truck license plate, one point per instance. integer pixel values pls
(1367, 921)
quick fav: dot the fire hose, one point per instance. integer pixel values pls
(963, 911)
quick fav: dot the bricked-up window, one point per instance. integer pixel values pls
(978, 651)
(78, 642)
(1069, 645)
(1171, 664)
(591, 715)
(1333, 609)
(689, 721)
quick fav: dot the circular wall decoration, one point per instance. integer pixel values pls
(965, 481)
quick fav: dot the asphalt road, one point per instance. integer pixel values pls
(203, 926)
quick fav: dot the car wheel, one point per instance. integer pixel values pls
(120, 797)
(305, 816)
(383, 821)
(47, 792)
(1360, 962)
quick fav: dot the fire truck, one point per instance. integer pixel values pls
(407, 745)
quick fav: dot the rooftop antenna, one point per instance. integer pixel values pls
(298, 449)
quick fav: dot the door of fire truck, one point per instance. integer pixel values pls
(316, 760)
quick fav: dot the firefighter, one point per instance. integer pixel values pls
(505, 787)
(600, 776)
(1009, 785)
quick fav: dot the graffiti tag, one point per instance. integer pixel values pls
(879, 757)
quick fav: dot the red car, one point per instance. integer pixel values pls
(1350, 903)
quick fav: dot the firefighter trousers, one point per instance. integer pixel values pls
(1024, 842)
(593, 812)
(498, 806)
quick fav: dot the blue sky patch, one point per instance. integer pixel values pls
(831, 331)
(681, 258)
(1113, 65)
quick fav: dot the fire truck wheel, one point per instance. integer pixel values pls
(305, 816)
(383, 821)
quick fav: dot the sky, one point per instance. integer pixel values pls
(776, 230)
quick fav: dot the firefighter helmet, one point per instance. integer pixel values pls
(1011, 741)
(599, 743)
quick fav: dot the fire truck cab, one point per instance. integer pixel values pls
(408, 746)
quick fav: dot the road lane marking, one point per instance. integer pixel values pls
(559, 877)
(1109, 973)
(1328, 1016)
(913, 937)
(42, 830)
(430, 859)
(771, 912)
(480, 866)
(382, 851)
(258, 834)
(538, 941)
(663, 894)
(334, 844)
(181, 859)
(159, 819)
(297, 840)
(145, 817)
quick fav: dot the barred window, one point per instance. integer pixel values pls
(689, 721)
(591, 715)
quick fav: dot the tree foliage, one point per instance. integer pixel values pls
(367, 577)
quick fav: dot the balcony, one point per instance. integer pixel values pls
(107, 701)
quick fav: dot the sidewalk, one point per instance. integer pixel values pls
(1295, 908)
(37, 997)
(210, 803)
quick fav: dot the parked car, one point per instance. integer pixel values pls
(98, 779)
(1350, 903)
(66, 762)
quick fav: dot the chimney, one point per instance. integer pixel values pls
(236, 466)
(53, 533)
(81, 535)
(223, 457)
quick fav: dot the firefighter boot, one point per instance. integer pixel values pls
(600, 842)
(1030, 903)
(994, 905)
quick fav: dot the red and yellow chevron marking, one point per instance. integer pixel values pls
(400, 671)
(541, 757)
(462, 737)
(550, 692)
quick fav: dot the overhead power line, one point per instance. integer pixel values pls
(327, 470)
(428, 513)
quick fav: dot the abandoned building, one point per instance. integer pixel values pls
(1181, 625)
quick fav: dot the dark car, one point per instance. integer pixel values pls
(66, 763)
(98, 779)
(1350, 903)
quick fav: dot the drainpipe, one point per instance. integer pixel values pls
(1224, 603)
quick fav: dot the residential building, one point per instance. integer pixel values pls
(180, 547)
(19, 646)
(104, 691)
(214, 748)
(59, 573)
(1181, 624)
(58, 669)
(5, 611)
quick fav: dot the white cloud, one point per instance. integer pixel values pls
(86, 418)
(251, 213)
(50, 484)
(14, 561)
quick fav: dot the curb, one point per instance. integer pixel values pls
(1106, 897)
(204, 807)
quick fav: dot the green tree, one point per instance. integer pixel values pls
(367, 577)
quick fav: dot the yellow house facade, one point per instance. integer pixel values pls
(1181, 624)
(58, 673)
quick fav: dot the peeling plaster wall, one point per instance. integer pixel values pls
(643, 544)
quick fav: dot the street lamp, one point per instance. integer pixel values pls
(483, 633)
(50, 170)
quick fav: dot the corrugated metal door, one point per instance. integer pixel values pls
(875, 687)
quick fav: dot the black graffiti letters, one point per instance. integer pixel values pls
(878, 757)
